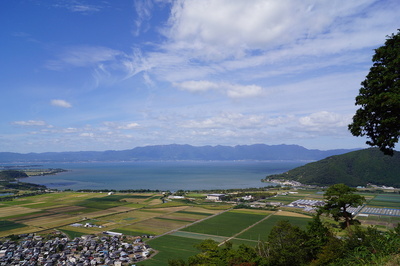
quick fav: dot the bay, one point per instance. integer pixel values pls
(165, 175)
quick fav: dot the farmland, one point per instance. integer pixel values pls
(180, 224)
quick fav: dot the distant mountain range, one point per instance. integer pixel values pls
(180, 152)
(356, 168)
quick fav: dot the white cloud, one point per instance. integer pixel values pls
(124, 126)
(84, 8)
(60, 103)
(87, 134)
(240, 91)
(324, 121)
(30, 123)
(241, 40)
(197, 86)
(231, 90)
(224, 28)
(236, 121)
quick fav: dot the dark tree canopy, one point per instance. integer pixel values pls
(338, 198)
(378, 117)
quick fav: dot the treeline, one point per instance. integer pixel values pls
(15, 196)
(288, 244)
(9, 180)
(11, 175)
(22, 186)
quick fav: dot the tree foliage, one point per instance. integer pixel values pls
(212, 254)
(289, 245)
(12, 174)
(379, 99)
(338, 198)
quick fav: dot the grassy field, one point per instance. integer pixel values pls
(219, 228)
(171, 247)
(55, 210)
(71, 234)
(145, 214)
(7, 225)
(225, 224)
(262, 230)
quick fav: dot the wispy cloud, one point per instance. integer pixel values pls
(221, 38)
(31, 123)
(77, 6)
(231, 90)
(228, 120)
(60, 103)
(143, 10)
(243, 27)
(119, 125)
(83, 56)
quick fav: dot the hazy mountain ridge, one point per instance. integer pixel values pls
(357, 168)
(180, 152)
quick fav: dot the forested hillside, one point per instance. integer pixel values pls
(356, 168)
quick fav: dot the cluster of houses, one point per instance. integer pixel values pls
(86, 250)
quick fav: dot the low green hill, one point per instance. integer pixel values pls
(356, 168)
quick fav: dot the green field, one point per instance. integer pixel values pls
(286, 199)
(225, 224)
(7, 225)
(388, 201)
(71, 234)
(103, 203)
(171, 247)
(261, 230)
(139, 214)
(195, 213)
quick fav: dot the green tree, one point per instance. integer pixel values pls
(333, 250)
(212, 254)
(379, 97)
(338, 198)
(318, 236)
(287, 245)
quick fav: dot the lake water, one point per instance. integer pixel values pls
(186, 175)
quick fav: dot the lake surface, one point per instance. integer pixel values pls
(186, 175)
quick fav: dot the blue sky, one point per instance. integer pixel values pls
(114, 75)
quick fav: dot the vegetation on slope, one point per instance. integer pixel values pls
(356, 168)
(317, 245)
